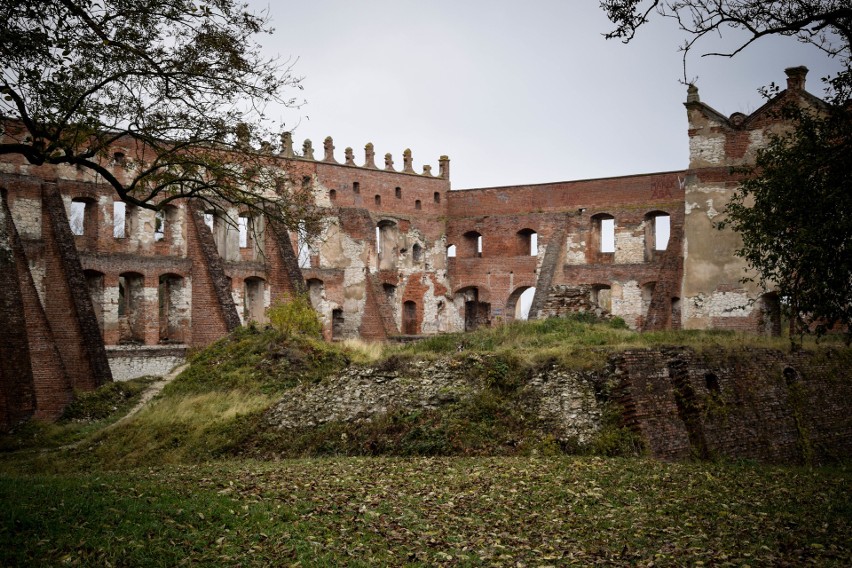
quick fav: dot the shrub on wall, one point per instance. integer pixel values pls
(295, 317)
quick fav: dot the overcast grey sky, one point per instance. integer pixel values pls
(513, 92)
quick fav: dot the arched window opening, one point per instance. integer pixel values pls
(451, 251)
(418, 205)
(476, 313)
(390, 292)
(397, 192)
(356, 187)
(378, 199)
(316, 292)
(220, 226)
(527, 243)
(244, 228)
(254, 301)
(472, 244)
(657, 233)
(711, 381)
(131, 308)
(172, 308)
(437, 196)
(416, 252)
(409, 318)
(160, 225)
(332, 194)
(602, 296)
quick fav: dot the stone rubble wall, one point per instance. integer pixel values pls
(762, 404)
(564, 401)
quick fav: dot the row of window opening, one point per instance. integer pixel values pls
(657, 234)
(356, 188)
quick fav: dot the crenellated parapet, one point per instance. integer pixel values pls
(369, 157)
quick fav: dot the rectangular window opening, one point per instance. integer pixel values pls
(119, 221)
(607, 235)
(662, 230)
(243, 225)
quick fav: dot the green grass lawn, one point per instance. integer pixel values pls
(172, 486)
(421, 511)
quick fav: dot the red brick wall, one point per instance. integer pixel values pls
(498, 214)
(212, 302)
(763, 405)
(18, 400)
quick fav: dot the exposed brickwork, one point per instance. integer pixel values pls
(212, 302)
(18, 401)
(68, 305)
(763, 405)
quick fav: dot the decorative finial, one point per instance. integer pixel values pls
(389, 162)
(406, 161)
(328, 146)
(287, 144)
(427, 170)
(369, 156)
(350, 157)
(308, 150)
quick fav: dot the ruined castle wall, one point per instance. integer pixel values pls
(379, 262)
(569, 213)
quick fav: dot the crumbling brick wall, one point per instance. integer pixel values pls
(761, 404)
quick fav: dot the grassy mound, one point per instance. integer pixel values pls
(216, 407)
(90, 412)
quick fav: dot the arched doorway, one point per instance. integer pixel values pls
(519, 303)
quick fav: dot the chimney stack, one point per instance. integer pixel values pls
(796, 78)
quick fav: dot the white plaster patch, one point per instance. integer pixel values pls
(575, 250)
(717, 304)
(711, 211)
(706, 150)
(626, 299)
(131, 362)
(630, 245)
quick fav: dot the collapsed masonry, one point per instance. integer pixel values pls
(95, 290)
